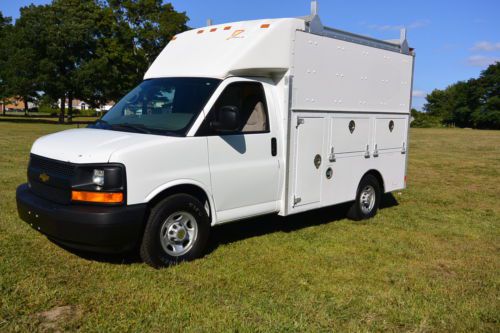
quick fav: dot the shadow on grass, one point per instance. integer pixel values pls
(248, 228)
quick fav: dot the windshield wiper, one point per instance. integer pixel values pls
(135, 127)
(98, 124)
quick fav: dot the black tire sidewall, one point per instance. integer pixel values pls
(367, 180)
(151, 247)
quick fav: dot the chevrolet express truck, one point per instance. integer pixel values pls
(232, 121)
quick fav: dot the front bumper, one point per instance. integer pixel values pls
(84, 227)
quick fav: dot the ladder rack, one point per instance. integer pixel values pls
(315, 26)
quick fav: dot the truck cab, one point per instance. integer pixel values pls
(231, 121)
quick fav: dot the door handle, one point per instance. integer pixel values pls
(274, 147)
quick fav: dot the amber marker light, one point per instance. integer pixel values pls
(97, 197)
(265, 26)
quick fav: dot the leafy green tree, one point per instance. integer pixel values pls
(153, 24)
(489, 82)
(455, 104)
(20, 67)
(472, 103)
(133, 33)
(98, 51)
(94, 50)
(5, 26)
(70, 36)
(488, 116)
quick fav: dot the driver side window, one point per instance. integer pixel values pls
(250, 99)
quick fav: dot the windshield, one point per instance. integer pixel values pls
(160, 106)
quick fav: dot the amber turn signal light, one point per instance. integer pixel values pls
(97, 197)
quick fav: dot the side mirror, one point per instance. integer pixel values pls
(227, 119)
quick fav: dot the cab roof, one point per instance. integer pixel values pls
(253, 48)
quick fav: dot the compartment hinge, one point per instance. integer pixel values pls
(300, 121)
(332, 157)
(367, 152)
(375, 152)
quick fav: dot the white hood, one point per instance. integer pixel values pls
(87, 145)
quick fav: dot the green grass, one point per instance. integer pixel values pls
(429, 263)
(33, 118)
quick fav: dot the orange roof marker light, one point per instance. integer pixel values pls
(227, 28)
(174, 38)
(265, 26)
(213, 30)
(200, 31)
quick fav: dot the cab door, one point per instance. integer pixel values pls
(244, 166)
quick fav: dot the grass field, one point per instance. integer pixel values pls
(430, 262)
(33, 118)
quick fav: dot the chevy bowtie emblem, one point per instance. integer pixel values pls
(44, 177)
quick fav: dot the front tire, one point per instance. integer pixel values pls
(177, 230)
(367, 200)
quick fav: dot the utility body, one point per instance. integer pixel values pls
(231, 121)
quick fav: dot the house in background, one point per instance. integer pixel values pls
(14, 104)
(82, 105)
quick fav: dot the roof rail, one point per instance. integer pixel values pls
(314, 26)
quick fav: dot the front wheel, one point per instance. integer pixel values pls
(177, 230)
(367, 200)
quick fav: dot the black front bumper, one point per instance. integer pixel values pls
(90, 228)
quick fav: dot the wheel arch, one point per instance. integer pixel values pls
(193, 188)
(375, 173)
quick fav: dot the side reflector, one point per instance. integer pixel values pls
(265, 26)
(99, 197)
(227, 28)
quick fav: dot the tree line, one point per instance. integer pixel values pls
(92, 50)
(474, 103)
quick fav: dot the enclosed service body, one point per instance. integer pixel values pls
(319, 82)
(232, 121)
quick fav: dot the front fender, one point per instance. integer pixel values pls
(160, 189)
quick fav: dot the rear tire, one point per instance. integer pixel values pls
(367, 200)
(177, 230)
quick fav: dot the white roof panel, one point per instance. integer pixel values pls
(242, 48)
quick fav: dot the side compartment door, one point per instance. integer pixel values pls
(244, 166)
(391, 134)
(308, 160)
(391, 144)
(349, 149)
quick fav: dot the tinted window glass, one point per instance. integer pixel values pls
(161, 106)
(250, 99)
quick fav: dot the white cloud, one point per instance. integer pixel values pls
(486, 46)
(419, 94)
(419, 24)
(387, 27)
(481, 61)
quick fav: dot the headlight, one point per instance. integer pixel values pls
(98, 177)
(103, 183)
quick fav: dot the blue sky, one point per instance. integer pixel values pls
(454, 40)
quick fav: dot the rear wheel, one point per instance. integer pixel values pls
(367, 200)
(177, 230)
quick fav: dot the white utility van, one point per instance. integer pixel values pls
(231, 121)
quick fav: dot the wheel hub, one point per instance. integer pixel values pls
(178, 233)
(367, 199)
